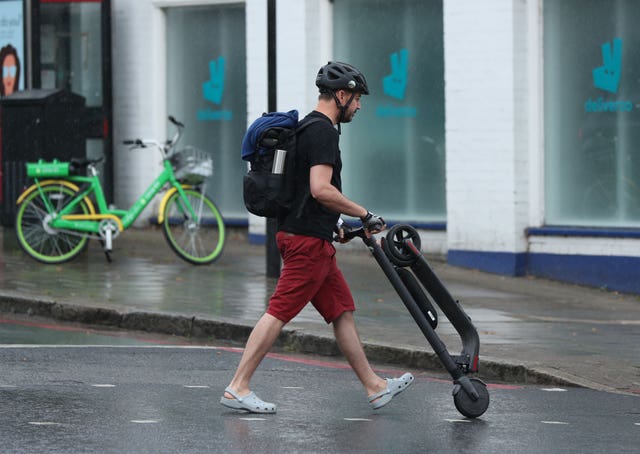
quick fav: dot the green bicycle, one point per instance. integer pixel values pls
(66, 206)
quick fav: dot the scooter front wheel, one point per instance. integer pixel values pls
(465, 403)
(395, 245)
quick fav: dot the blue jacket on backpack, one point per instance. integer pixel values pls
(266, 121)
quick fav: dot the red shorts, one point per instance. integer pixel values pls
(309, 274)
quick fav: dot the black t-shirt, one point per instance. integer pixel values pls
(316, 144)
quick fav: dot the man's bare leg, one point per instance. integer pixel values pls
(348, 340)
(260, 341)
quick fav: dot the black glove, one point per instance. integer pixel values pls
(373, 223)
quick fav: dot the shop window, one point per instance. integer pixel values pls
(206, 90)
(592, 113)
(394, 151)
(12, 47)
(71, 48)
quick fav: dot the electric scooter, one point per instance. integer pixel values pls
(399, 250)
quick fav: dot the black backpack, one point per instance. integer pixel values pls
(269, 145)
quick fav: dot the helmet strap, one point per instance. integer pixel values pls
(342, 108)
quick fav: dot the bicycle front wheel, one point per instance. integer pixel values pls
(198, 241)
(36, 237)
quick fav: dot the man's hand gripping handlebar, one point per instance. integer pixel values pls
(349, 233)
(371, 224)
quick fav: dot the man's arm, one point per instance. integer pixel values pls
(328, 195)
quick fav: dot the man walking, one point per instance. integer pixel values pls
(305, 233)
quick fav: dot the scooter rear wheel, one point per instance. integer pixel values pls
(466, 405)
(395, 247)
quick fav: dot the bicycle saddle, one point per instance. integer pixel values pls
(79, 165)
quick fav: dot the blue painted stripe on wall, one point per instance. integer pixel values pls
(435, 226)
(611, 272)
(255, 238)
(508, 263)
(584, 232)
(617, 273)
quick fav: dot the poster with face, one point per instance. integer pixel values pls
(11, 46)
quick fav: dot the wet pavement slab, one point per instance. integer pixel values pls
(531, 330)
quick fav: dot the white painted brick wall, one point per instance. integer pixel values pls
(521, 87)
(139, 96)
(291, 54)
(486, 124)
(303, 45)
(301, 26)
(257, 84)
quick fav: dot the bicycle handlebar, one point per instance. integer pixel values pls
(166, 147)
(175, 122)
(135, 142)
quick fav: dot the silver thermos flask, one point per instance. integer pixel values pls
(278, 161)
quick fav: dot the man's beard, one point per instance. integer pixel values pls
(347, 118)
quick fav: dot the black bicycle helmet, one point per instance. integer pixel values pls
(341, 76)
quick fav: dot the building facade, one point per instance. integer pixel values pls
(503, 129)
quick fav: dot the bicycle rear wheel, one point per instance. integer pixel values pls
(37, 238)
(197, 241)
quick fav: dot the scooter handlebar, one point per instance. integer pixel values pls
(357, 233)
(351, 234)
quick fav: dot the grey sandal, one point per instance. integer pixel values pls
(394, 387)
(250, 403)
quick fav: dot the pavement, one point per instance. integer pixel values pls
(531, 330)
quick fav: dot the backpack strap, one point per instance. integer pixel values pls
(307, 196)
(305, 124)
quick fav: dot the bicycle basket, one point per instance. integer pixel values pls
(191, 165)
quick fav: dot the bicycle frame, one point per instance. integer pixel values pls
(66, 206)
(90, 222)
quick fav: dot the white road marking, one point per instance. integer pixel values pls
(44, 423)
(8, 386)
(292, 387)
(585, 321)
(144, 421)
(357, 419)
(457, 420)
(253, 419)
(554, 390)
(197, 386)
(103, 385)
(561, 423)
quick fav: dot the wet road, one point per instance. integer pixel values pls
(146, 397)
(528, 328)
